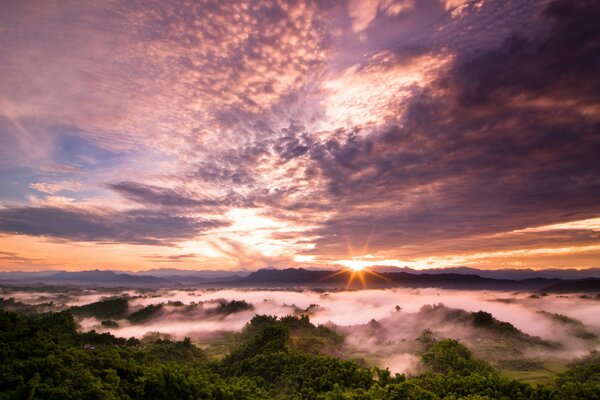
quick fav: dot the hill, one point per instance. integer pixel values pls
(300, 277)
(343, 278)
(105, 278)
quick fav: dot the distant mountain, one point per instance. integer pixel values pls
(163, 277)
(105, 278)
(582, 285)
(299, 277)
(515, 274)
(343, 278)
(10, 275)
(291, 275)
(171, 272)
(178, 275)
(191, 280)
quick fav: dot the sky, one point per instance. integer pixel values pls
(239, 135)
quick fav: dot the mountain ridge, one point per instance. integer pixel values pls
(293, 277)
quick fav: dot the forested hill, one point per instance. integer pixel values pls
(42, 356)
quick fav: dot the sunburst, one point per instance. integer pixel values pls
(356, 275)
(356, 267)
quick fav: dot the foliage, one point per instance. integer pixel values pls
(42, 356)
(233, 306)
(578, 329)
(144, 314)
(303, 335)
(519, 364)
(109, 323)
(450, 356)
(583, 379)
(486, 320)
(115, 307)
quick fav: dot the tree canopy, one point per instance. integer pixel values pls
(45, 357)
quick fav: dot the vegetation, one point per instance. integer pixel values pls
(582, 380)
(11, 304)
(144, 314)
(233, 306)
(109, 323)
(115, 307)
(42, 356)
(578, 329)
(303, 336)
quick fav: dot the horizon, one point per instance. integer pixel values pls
(382, 269)
(243, 135)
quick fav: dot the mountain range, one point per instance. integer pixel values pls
(377, 277)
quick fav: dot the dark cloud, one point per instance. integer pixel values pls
(427, 130)
(505, 140)
(293, 143)
(14, 258)
(562, 65)
(158, 196)
(220, 172)
(153, 195)
(133, 226)
(172, 258)
(232, 166)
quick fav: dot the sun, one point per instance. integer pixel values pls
(354, 265)
(357, 271)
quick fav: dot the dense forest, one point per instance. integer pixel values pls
(43, 356)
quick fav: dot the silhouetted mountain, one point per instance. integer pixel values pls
(343, 278)
(191, 280)
(582, 285)
(514, 274)
(291, 277)
(16, 275)
(186, 277)
(105, 278)
(172, 272)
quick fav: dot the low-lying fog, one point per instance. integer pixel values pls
(400, 315)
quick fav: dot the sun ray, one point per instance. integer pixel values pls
(361, 277)
(340, 272)
(365, 248)
(350, 281)
(380, 276)
(348, 245)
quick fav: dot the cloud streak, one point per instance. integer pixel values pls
(417, 132)
(133, 226)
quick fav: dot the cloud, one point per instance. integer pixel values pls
(363, 12)
(413, 129)
(377, 92)
(158, 196)
(505, 140)
(147, 194)
(60, 186)
(8, 257)
(382, 323)
(60, 169)
(133, 226)
(175, 258)
(187, 63)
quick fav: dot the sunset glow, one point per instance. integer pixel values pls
(300, 199)
(241, 135)
(357, 266)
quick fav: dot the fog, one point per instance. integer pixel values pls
(359, 307)
(379, 325)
